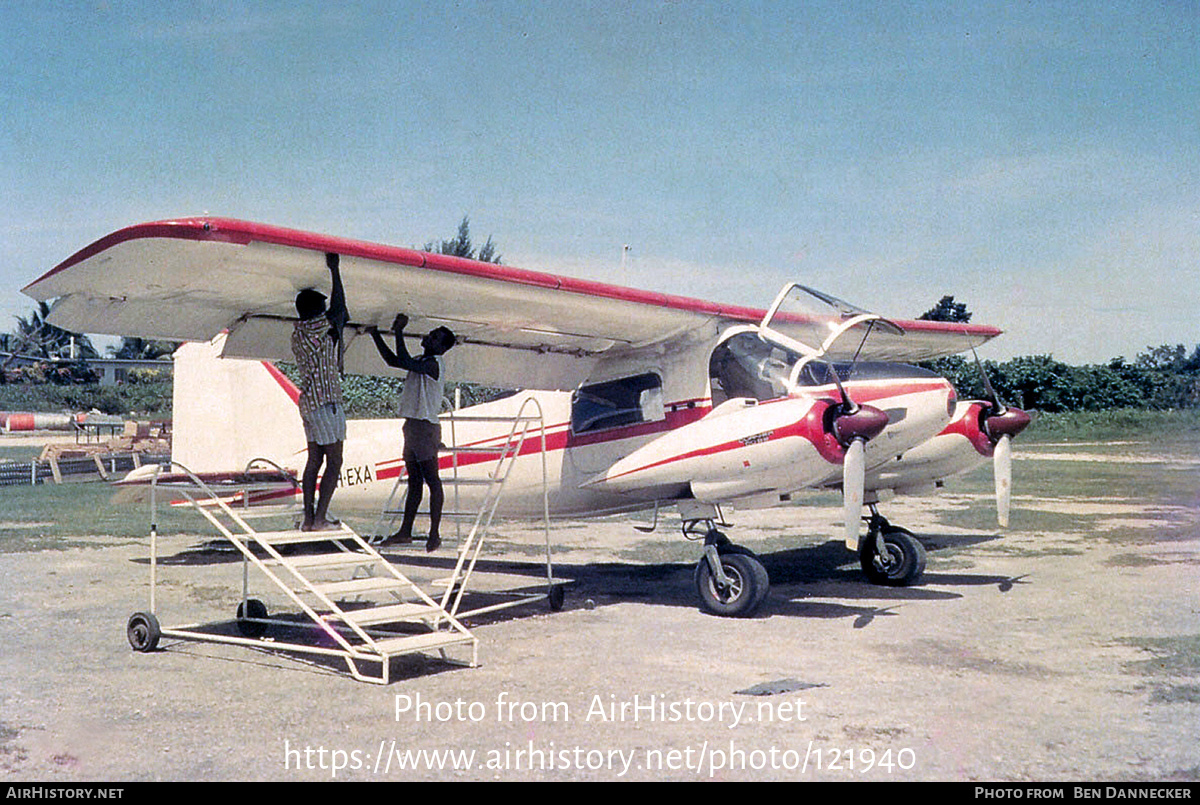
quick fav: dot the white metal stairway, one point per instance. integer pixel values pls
(368, 608)
(499, 456)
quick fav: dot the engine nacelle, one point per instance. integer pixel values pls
(967, 442)
(741, 448)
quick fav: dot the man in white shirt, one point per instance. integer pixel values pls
(420, 404)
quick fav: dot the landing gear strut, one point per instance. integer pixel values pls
(730, 580)
(890, 555)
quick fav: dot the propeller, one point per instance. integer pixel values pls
(1000, 424)
(854, 473)
(1002, 469)
(853, 426)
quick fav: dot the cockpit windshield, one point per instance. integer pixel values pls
(816, 320)
(799, 301)
(806, 339)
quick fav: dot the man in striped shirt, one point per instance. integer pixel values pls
(317, 345)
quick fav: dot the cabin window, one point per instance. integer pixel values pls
(617, 403)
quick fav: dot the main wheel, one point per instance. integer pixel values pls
(901, 563)
(253, 609)
(143, 631)
(748, 586)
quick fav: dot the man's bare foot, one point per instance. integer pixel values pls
(399, 538)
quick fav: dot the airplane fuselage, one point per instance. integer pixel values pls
(743, 453)
(642, 430)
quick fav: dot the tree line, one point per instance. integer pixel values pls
(1041, 383)
(1160, 378)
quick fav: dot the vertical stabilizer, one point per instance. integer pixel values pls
(228, 411)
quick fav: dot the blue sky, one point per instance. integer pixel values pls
(1039, 161)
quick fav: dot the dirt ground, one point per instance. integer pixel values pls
(1067, 648)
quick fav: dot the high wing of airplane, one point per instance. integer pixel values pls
(649, 399)
(191, 279)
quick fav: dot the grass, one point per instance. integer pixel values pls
(1123, 424)
(1170, 656)
(85, 514)
(75, 514)
(22, 453)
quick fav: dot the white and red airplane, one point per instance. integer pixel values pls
(647, 400)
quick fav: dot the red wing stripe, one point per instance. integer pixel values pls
(229, 230)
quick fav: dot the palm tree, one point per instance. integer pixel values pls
(460, 246)
(36, 336)
(143, 348)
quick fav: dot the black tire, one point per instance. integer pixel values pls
(556, 597)
(253, 609)
(143, 631)
(747, 591)
(902, 564)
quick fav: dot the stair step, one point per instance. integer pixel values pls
(394, 613)
(449, 479)
(393, 646)
(425, 512)
(317, 561)
(357, 586)
(295, 536)
(264, 510)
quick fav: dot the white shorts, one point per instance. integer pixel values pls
(326, 424)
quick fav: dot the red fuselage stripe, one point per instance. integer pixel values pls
(808, 427)
(284, 381)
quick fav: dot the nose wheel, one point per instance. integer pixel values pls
(890, 555)
(730, 581)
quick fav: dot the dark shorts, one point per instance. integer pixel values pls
(422, 439)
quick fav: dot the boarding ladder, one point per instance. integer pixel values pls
(335, 577)
(492, 461)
